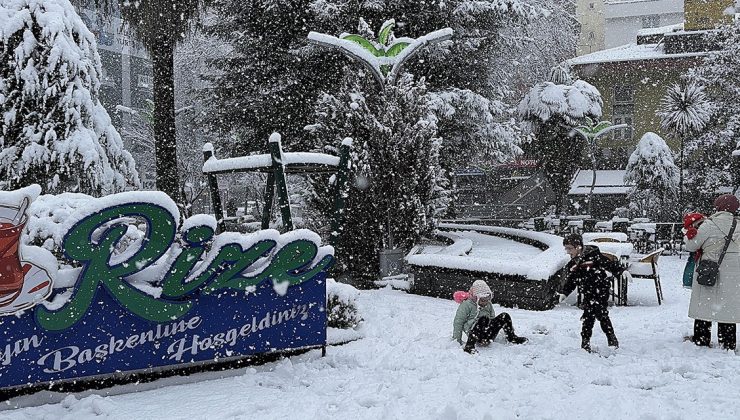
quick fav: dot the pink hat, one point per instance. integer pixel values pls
(726, 202)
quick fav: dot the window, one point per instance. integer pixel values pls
(651, 21)
(144, 81)
(623, 111)
(591, 5)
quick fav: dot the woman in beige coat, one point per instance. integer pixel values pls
(719, 303)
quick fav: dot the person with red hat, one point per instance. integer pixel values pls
(691, 223)
(720, 302)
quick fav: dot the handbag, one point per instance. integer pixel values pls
(708, 271)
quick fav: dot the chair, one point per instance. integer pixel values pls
(606, 240)
(664, 236)
(647, 268)
(589, 225)
(616, 292)
(619, 227)
(564, 226)
(539, 224)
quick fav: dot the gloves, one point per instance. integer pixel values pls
(561, 298)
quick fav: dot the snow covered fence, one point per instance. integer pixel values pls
(524, 282)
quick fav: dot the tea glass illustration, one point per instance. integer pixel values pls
(11, 272)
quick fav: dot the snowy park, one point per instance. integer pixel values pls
(404, 365)
(320, 209)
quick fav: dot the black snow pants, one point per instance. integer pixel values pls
(590, 315)
(486, 329)
(726, 334)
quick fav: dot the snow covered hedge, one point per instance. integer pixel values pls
(341, 305)
(541, 267)
(55, 132)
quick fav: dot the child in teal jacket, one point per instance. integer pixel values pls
(476, 318)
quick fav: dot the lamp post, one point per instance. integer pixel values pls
(591, 132)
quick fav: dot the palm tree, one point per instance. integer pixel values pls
(159, 25)
(684, 111)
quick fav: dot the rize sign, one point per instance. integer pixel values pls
(167, 299)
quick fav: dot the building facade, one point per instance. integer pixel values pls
(126, 80)
(611, 23)
(590, 14)
(625, 18)
(633, 78)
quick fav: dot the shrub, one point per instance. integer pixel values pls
(341, 305)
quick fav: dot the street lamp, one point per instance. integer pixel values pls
(591, 132)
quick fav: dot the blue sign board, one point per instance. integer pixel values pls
(207, 298)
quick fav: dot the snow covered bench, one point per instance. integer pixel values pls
(523, 268)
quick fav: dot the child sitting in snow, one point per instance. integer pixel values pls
(589, 271)
(691, 223)
(476, 318)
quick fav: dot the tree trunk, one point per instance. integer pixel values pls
(165, 139)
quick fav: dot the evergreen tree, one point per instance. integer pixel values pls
(400, 187)
(655, 177)
(55, 132)
(270, 79)
(710, 164)
(552, 111)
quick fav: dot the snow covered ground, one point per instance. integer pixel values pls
(406, 367)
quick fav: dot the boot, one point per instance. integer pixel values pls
(586, 345)
(517, 340)
(470, 350)
(612, 341)
(697, 342)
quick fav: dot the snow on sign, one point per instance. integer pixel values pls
(135, 291)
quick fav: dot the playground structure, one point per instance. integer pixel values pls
(277, 164)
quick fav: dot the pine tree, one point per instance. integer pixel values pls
(55, 132)
(270, 79)
(654, 175)
(400, 185)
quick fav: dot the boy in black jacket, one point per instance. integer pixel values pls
(590, 271)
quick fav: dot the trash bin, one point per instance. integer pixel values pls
(391, 262)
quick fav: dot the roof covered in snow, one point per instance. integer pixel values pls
(660, 30)
(607, 182)
(629, 52)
